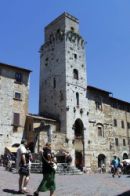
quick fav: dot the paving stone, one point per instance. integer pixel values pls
(69, 185)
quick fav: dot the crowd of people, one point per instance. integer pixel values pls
(23, 160)
(49, 166)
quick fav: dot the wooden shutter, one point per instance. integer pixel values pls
(16, 118)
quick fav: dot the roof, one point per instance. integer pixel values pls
(119, 100)
(108, 93)
(15, 67)
(97, 89)
(40, 117)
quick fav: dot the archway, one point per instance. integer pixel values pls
(78, 128)
(79, 143)
(101, 160)
(125, 156)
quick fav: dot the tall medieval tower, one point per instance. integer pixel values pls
(63, 82)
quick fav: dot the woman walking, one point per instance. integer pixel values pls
(48, 181)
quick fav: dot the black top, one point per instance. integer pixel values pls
(47, 167)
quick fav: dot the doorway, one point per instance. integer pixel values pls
(79, 143)
(125, 156)
(101, 160)
(79, 159)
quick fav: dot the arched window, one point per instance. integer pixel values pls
(75, 74)
(72, 29)
(100, 130)
(77, 99)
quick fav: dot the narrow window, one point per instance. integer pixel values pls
(116, 141)
(54, 83)
(46, 61)
(75, 74)
(16, 119)
(115, 123)
(75, 56)
(98, 105)
(128, 125)
(122, 124)
(124, 143)
(72, 29)
(17, 96)
(100, 133)
(77, 99)
(18, 77)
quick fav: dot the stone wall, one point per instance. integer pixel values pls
(9, 104)
(101, 119)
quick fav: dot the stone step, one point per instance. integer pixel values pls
(70, 170)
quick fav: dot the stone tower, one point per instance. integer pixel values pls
(63, 83)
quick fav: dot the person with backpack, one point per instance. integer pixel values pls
(115, 167)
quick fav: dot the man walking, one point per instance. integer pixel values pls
(115, 167)
(22, 164)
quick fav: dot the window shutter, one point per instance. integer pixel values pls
(16, 118)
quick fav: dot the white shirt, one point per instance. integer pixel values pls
(21, 150)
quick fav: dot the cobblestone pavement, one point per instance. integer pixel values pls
(70, 185)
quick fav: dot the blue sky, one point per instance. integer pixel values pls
(104, 24)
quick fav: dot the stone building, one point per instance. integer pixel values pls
(63, 81)
(14, 92)
(86, 121)
(95, 125)
(109, 125)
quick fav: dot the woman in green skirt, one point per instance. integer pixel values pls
(48, 181)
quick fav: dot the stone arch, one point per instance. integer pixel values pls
(101, 160)
(78, 128)
(79, 143)
(125, 156)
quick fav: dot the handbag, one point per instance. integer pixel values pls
(24, 170)
(54, 166)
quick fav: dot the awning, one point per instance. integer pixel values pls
(11, 149)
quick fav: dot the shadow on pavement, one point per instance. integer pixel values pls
(127, 193)
(10, 191)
